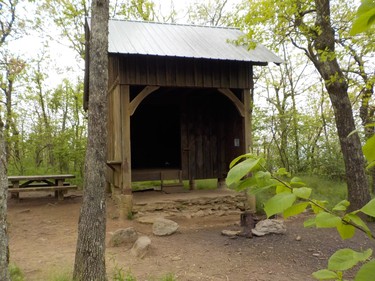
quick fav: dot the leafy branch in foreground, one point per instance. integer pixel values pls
(292, 197)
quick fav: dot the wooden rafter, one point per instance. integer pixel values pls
(230, 95)
(140, 97)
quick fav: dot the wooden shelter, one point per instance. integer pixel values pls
(179, 98)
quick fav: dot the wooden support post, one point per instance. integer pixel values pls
(250, 199)
(125, 198)
(59, 194)
(192, 184)
(125, 140)
(247, 223)
(115, 151)
(221, 183)
(15, 195)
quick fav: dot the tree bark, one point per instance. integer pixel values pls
(90, 252)
(4, 241)
(336, 84)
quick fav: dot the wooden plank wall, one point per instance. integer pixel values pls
(212, 124)
(181, 72)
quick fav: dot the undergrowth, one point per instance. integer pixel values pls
(323, 189)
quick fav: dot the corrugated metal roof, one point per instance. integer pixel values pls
(191, 41)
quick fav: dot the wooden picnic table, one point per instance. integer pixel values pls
(54, 183)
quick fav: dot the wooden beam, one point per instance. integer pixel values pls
(247, 120)
(140, 97)
(117, 124)
(247, 124)
(230, 95)
(114, 84)
(125, 140)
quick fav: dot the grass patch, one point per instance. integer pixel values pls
(120, 275)
(62, 274)
(169, 277)
(323, 188)
(15, 273)
(61, 277)
(144, 185)
(330, 190)
(205, 184)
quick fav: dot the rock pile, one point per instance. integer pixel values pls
(139, 246)
(197, 207)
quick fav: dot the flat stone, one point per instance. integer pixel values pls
(230, 233)
(269, 226)
(176, 258)
(200, 213)
(141, 247)
(163, 227)
(150, 219)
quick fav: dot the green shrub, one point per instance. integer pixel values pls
(120, 275)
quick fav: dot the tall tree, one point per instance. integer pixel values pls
(7, 22)
(210, 12)
(308, 25)
(4, 246)
(69, 17)
(11, 68)
(90, 252)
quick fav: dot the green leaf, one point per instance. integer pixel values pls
(345, 259)
(263, 178)
(242, 169)
(363, 22)
(369, 208)
(341, 206)
(302, 192)
(257, 189)
(282, 172)
(366, 272)
(248, 183)
(279, 203)
(369, 151)
(238, 158)
(365, 17)
(309, 222)
(295, 209)
(346, 231)
(325, 274)
(282, 188)
(296, 182)
(317, 209)
(358, 221)
(326, 220)
(370, 165)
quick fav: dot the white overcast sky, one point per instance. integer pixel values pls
(61, 56)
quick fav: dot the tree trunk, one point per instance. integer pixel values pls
(4, 243)
(326, 63)
(90, 252)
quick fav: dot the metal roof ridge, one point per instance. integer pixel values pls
(178, 24)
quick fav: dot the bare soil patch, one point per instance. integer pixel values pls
(43, 235)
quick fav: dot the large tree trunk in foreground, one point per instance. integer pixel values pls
(4, 244)
(337, 87)
(90, 252)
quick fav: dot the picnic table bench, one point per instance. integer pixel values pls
(54, 183)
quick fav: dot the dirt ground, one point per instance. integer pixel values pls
(43, 235)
